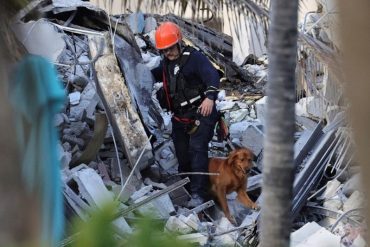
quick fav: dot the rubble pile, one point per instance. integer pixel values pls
(115, 139)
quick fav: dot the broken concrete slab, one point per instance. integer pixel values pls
(136, 22)
(141, 193)
(115, 96)
(252, 138)
(356, 200)
(260, 109)
(225, 239)
(41, 38)
(165, 154)
(139, 79)
(74, 98)
(311, 234)
(176, 225)
(150, 24)
(94, 191)
(239, 115)
(191, 220)
(353, 184)
(196, 238)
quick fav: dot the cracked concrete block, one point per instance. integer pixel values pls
(103, 171)
(239, 115)
(196, 238)
(118, 99)
(356, 200)
(58, 120)
(359, 242)
(224, 105)
(74, 140)
(192, 220)
(136, 22)
(142, 192)
(67, 147)
(331, 188)
(176, 225)
(236, 129)
(250, 219)
(260, 109)
(40, 38)
(311, 234)
(150, 24)
(225, 239)
(164, 205)
(333, 203)
(165, 155)
(94, 191)
(76, 111)
(140, 42)
(331, 112)
(74, 98)
(252, 138)
(353, 184)
(150, 208)
(221, 95)
(76, 128)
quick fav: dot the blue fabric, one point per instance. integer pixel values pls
(36, 95)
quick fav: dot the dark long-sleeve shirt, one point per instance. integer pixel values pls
(198, 69)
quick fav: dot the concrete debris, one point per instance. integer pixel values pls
(225, 239)
(74, 98)
(101, 79)
(260, 109)
(165, 155)
(160, 208)
(356, 200)
(353, 184)
(142, 192)
(311, 234)
(252, 138)
(150, 24)
(40, 37)
(192, 220)
(195, 238)
(136, 22)
(175, 224)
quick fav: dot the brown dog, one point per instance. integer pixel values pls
(233, 173)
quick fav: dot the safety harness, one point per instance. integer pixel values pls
(181, 96)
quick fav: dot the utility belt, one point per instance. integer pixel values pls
(187, 107)
(188, 114)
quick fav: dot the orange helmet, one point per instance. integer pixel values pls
(166, 35)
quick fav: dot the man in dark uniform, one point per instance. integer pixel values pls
(190, 87)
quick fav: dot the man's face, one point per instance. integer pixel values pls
(171, 53)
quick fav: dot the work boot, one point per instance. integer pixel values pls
(195, 201)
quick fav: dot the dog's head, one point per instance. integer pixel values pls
(241, 161)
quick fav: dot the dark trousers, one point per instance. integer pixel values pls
(192, 150)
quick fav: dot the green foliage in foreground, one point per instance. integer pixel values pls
(99, 232)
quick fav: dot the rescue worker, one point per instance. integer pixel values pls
(190, 88)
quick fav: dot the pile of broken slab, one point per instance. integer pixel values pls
(115, 141)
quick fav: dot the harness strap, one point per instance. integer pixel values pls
(166, 89)
(184, 120)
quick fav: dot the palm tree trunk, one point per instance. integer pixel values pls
(19, 210)
(280, 125)
(355, 37)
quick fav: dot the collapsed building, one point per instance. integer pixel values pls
(115, 139)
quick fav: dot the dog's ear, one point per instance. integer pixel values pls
(231, 157)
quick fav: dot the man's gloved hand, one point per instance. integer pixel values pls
(206, 107)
